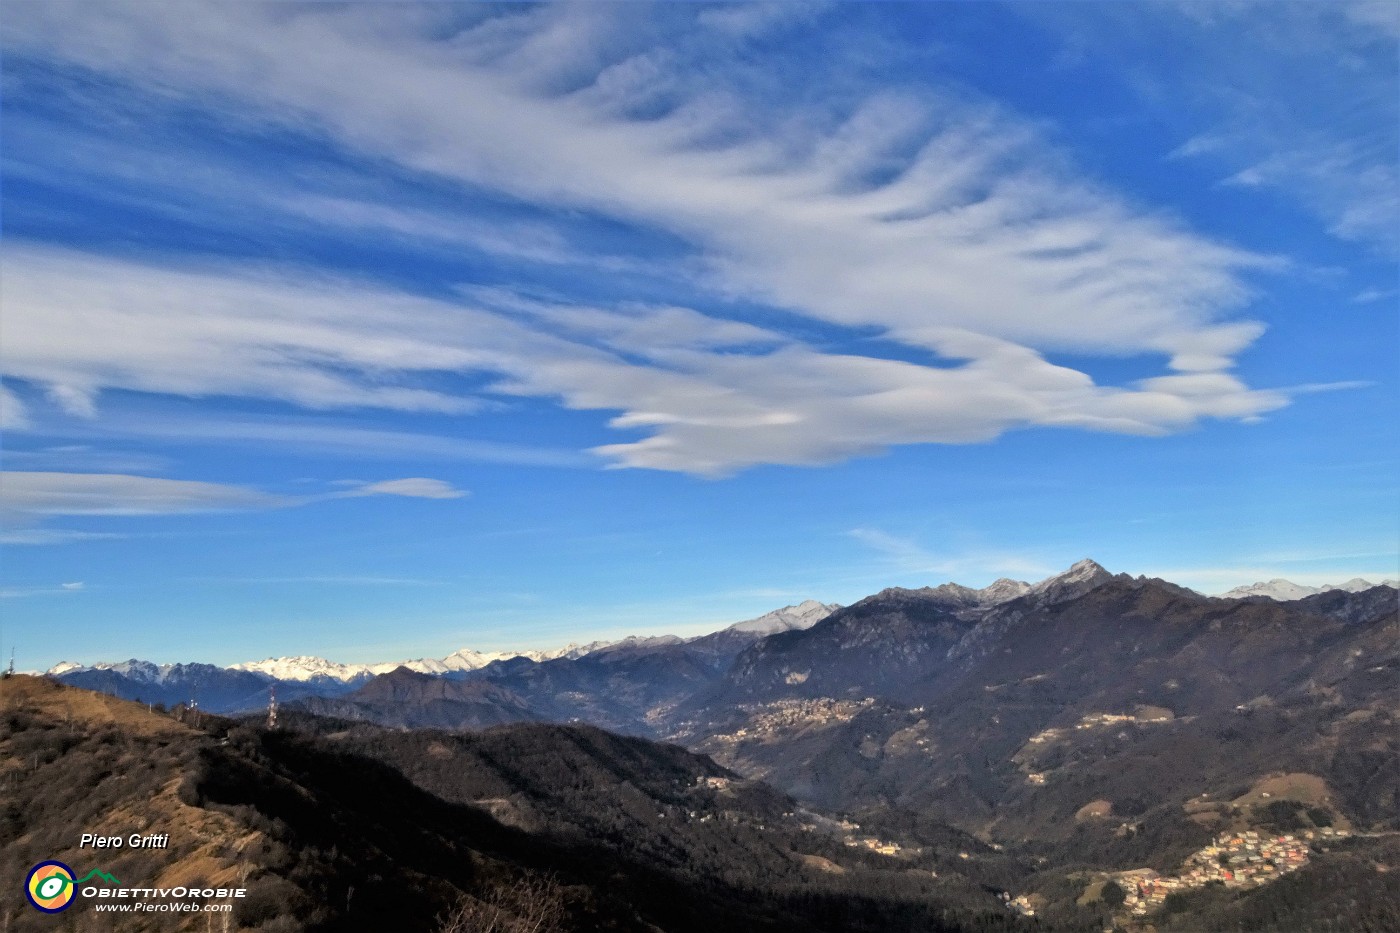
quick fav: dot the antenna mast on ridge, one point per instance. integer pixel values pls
(272, 707)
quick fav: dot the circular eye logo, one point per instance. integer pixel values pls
(49, 887)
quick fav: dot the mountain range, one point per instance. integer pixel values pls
(551, 684)
(1284, 590)
(228, 690)
(1051, 741)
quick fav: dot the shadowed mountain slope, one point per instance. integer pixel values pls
(327, 837)
(1135, 692)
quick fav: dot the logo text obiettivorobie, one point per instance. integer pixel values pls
(51, 887)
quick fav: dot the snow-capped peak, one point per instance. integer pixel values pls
(572, 651)
(304, 668)
(802, 616)
(1358, 585)
(642, 641)
(308, 668)
(1277, 588)
(1003, 590)
(1282, 590)
(1080, 572)
(136, 670)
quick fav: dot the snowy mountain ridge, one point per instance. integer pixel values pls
(310, 669)
(307, 668)
(802, 616)
(1283, 590)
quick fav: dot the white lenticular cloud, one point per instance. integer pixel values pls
(413, 488)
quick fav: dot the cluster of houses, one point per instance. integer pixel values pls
(1104, 719)
(1047, 735)
(787, 714)
(1023, 904)
(847, 830)
(1234, 859)
(878, 845)
(1097, 720)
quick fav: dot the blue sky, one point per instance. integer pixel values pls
(377, 331)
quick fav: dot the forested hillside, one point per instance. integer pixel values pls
(326, 837)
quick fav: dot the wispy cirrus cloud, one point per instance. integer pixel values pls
(29, 495)
(113, 494)
(42, 537)
(13, 412)
(937, 220)
(707, 409)
(85, 458)
(21, 592)
(907, 555)
(1373, 295)
(1296, 100)
(321, 434)
(413, 488)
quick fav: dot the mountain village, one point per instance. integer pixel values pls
(1235, 859)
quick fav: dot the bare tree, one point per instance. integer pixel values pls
(531, 904)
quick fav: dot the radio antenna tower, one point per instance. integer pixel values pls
(10, 671)
(272, 707)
